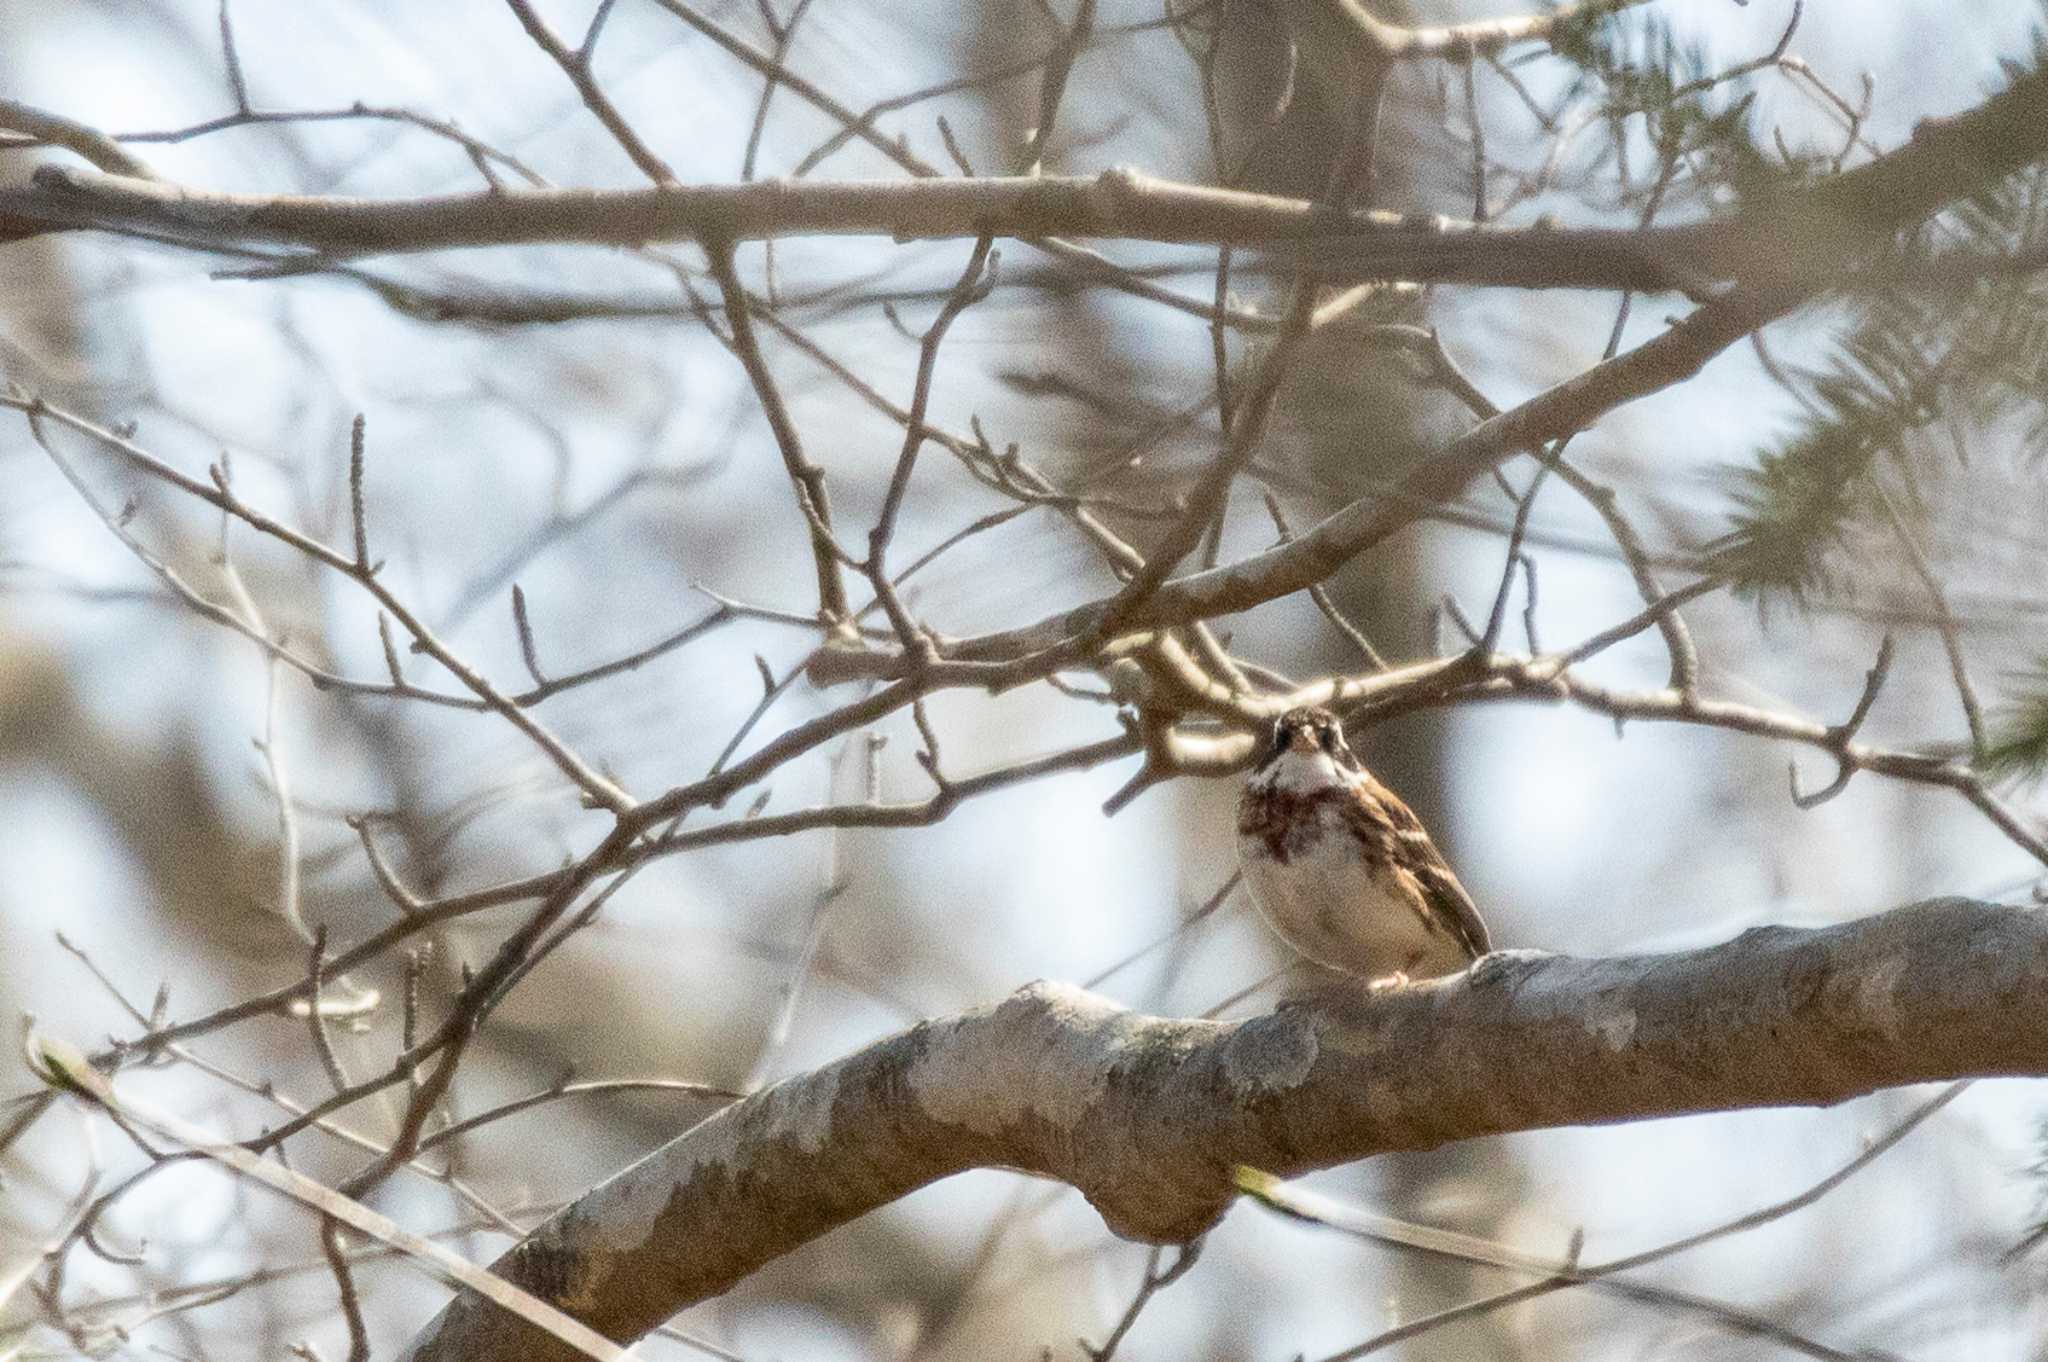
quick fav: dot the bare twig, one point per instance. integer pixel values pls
(231, 61)
(1207, 498)
(66, 1068)
(977, 281)
(335, 1250)
(316, 1015)
(1641, 620)
(576, 65)
(1052, 88)
(1320, 595)
(1560, 1276)
(600, 790)
(271, 746)
(1478, 126)
(565, 1090)
(1374, 39)
(1677, 638)
(529, 652)
(357, 524)
(1497, 616)
(1951, 636)
(1180, 928)
(806, 478)
(784, 32)
(82, 140)
(832, 883)
(1155, 1281)
(1841, 735)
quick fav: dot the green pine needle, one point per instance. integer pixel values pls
(2019, 743)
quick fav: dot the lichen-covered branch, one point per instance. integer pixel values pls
(1148, 1116)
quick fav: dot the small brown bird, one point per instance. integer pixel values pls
(1342, 869)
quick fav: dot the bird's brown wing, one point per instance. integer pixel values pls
(1394, 832)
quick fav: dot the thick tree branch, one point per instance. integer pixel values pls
(1791, 238)
(1116, 204)
(1148, 1116)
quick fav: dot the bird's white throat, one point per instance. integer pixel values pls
(1303, 772)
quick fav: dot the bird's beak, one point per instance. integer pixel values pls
(1301, 740)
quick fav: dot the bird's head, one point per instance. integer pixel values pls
(1311, 735)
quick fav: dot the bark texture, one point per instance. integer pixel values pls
(1148, 1115)
(1794, 239)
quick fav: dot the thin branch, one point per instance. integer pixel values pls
(387, 879)
(1951, 635)
(1497, 616)
(1207, 498)
(785, 36)
(231, 60)
(832, 884)
(576, 65)
(1478, 126)
(1180, 928)
(335, 1250)
(1052, 87)
(316, 1015)
(271, 746)
(82, 140)
(357, 522)
(1678, 642)
(922, 813)
(621, 850)
(1090, 263)
(565, 1090)
(806, 478)
(529, 651)
(1474, 678)
(1790, 240)
(1641, 620)
(600, 790)
(1154, 1282)
(1842, 734)
(1570, 406)
(1560, 1276)
(269, 1093)
(67, 1069)
(976, 282)
(1320, 595)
